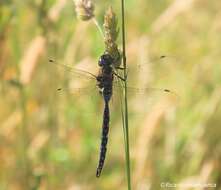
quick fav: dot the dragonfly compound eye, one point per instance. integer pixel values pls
(105, 60)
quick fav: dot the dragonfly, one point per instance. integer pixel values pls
(105, 85)
(105, 81)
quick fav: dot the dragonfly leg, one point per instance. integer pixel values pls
(121, 68)
(121, 78)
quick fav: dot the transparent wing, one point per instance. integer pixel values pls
(142, 100)
(144, 71)
(77, 72)
(138, 74)
(140, 97)
(78, 79)
(143, 90)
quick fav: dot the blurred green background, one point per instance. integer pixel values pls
(50, 139)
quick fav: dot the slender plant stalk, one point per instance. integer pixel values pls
(24, 139)
(98, 27)
(25, 164)
(127, 146)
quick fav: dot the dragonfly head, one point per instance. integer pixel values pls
(105, 60)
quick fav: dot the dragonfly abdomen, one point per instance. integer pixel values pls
(107, 93)
(104, 138)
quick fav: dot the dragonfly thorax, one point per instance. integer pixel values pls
(105, 60)
(105, 78)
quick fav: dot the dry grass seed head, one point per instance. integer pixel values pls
(84, 9)
(111, 32)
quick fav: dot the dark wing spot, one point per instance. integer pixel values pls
(167, 90)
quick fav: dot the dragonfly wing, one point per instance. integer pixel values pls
(82, 102)
(146, 70)
(80, 86)
(76, 72)
(139, 78)
(141, 100)
(76, 80)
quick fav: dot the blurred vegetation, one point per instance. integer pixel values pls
(50, 139)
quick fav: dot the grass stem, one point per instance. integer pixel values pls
(24, 139)
(126, 125)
